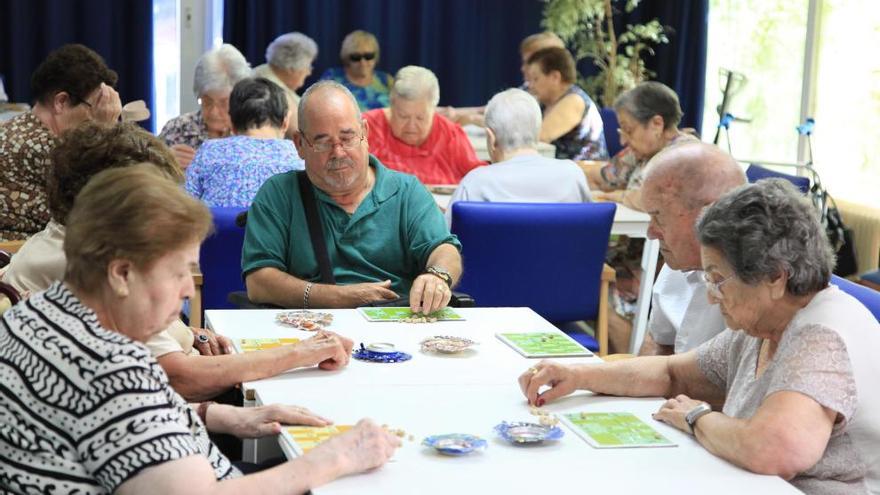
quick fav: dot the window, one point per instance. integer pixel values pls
(846, 144)
(166, 61)
(767, 41)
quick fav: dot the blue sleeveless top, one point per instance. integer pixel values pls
(585, 141)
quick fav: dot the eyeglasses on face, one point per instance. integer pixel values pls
(348, 142)
(357, 57)
(79, 99)
(714, 288)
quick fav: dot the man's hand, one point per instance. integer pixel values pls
(330, 351)
(183, 154)
(559, 377)
(108, 106)
(429, 293)
(211, 344)
(361, 294)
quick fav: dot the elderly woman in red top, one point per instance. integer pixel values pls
(411, 137)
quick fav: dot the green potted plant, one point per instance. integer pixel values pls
(587, 27)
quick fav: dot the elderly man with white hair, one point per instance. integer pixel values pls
(680, 182)
(217, 71)
(288, 63)
(412, 137)
(519, 173)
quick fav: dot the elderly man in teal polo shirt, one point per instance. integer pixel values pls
(385, 236)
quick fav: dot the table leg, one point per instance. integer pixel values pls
(640, 320)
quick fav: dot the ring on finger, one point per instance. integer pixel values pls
(533, 370)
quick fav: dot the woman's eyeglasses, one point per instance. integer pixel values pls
(714, 288)
(357, 57)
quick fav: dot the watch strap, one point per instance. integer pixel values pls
(696, 413)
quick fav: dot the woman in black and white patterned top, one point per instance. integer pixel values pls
(83, 406)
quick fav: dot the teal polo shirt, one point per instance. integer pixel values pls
(389, 236)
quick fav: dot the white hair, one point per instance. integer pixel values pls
(353, 40)
(292, 51)
(219, 69)
(415, 83)
(515, 118)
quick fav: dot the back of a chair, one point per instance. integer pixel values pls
(870, 298)
(610, 125)
(548, 257)
(220, 259)
(756, 172)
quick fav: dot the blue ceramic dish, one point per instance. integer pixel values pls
(521, 433)
(455, 443)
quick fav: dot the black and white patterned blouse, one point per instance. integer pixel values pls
(83, 408)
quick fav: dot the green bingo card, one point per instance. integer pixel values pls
(614, 430)
(397, 314)
(544, 344)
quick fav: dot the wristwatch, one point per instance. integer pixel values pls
(696, 413)
(439, 271)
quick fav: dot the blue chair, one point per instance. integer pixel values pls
(609, 126)
(220, 259)
(756, 172)
(870, 298)
(548, 257)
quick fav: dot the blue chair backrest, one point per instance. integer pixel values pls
(610, 125)
(220, 259)
(548, 257)
(867, 296)
(756, 172)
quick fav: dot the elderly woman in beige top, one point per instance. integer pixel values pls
(81, 154)
(793, 377)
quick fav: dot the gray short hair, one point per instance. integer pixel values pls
(415, 83)
(648, 99)
(767, 228)
(355, 38)
(515, 118)
(292, 51)
(329, 84)
(219, 70)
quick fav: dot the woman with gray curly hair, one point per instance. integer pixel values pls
(288, 63)
(217, 71)
(789, 388)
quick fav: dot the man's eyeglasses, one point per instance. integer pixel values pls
(348, 142)
(357, 57)
(714, 288)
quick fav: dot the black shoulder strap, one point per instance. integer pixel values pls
(316, 233)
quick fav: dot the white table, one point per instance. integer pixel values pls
(634, 224)
(433, 394)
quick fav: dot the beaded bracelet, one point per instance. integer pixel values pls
(306, 294)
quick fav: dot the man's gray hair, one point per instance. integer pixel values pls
(415, 83)
(515, 118)
(292, 51)
(302, 116)
(219, 70)
(766, 229)
(692, 173)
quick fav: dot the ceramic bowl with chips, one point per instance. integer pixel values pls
(446, 344)
(455, 443)
(523, 433)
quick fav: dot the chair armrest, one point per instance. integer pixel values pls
(608, 273)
